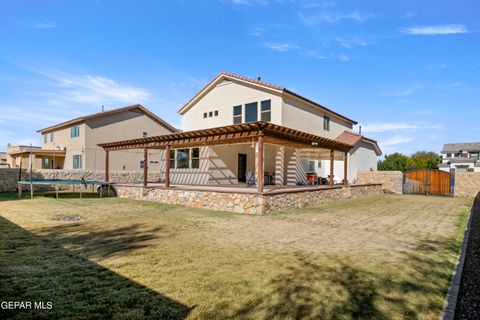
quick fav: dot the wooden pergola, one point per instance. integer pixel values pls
(259, 132)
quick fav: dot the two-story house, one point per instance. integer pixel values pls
(222, 125)
(73, 144)
(230, 99)
(461, 157)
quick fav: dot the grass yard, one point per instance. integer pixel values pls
(371, 258)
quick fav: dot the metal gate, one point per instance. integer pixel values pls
(428, 181)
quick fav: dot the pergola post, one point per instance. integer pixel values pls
(260, 164)
(345, 168)
(332, 158)
(167, 166)
(106, 165)
(145, 167)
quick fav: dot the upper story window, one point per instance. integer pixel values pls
(216, 113)
(142, 164)
(326, 123)
(237, 114)
(456, 154)
(205, 115)
(251, 112)
(474, 155)
(210, 114)
(449, 155)
(44, 138)
(311, 165)
(145, 134)
(75, 131)
(51, 136)
(265, 111)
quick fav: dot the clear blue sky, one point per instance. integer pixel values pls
(408, 71)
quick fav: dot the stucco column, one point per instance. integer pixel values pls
(345, 168)
(279, 166)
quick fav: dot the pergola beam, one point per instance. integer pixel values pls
(145, 167)
(107, 162)
(167, 166)
(345, 168)
(332, 162)
(260, 171)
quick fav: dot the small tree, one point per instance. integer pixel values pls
(394, 162)
(426, 159)
(418, 160)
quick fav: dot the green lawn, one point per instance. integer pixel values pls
(370, 258)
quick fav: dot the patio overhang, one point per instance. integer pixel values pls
(259, 132)
(240, 133)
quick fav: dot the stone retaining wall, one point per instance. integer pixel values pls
(246, 203)
(467, 184)
(391, 180)
(9, 177)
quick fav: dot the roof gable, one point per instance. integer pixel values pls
(352, 139)
(259, 84)
(135, 107)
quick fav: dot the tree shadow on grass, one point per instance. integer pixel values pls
(312, 288)
(104, 243)
(35, 268)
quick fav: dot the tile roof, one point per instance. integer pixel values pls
(349, 137)
(456, 147)
(265, 84)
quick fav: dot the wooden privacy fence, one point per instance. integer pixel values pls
(428, 181)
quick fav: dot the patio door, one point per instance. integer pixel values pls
(242, 167)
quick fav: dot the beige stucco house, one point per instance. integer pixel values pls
(230, 99)
(4, 160)
(73, 144)
(304, 137)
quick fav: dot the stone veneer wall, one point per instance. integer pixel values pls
(391, 181)
(246, 203)
(467, 184)
(9, 177)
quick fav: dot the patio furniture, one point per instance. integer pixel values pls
(312, 178)
(251, 178)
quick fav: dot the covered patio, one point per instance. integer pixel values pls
(278, 149)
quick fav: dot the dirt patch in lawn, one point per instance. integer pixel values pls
(376, 225)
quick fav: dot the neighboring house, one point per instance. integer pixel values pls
(3, 160)
(73, 144)
(461, 157)
(231, 100)
(36, 157)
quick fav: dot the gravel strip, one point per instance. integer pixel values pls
(468, 302)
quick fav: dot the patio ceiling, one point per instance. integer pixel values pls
(240, 133)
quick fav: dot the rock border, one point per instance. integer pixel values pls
(451, 299)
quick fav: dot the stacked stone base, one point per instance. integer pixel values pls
(247, 203)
